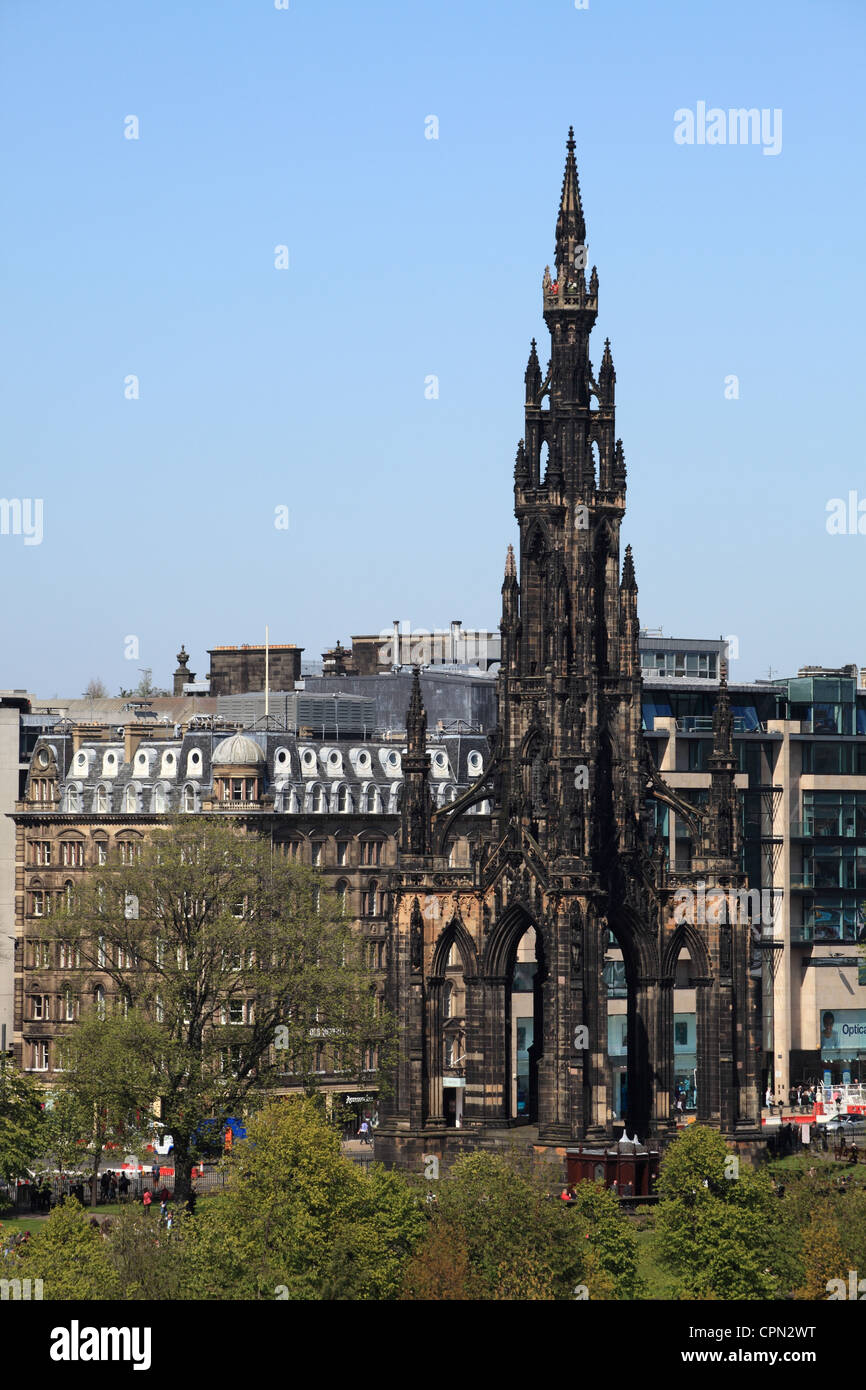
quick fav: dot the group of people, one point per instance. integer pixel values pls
(165, 1212)
(799, 1098)
(681, 1101)
(11, 1246)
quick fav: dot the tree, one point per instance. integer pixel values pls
(106, 1085)
(145, 690)
(69, 1255)
(21, 1120)
(237, 966)
(719, 1232)
(300, 1221)
(148, 1260)
(96, 690)
(440, 1270)
(502, 1211)
(823, 1257)
(611, 1239)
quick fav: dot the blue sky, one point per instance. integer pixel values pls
(409, 257)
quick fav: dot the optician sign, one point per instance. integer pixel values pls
(842, 1032)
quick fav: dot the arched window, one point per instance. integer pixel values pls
(189, 798)
(372, 898)
(99, 1001)
(345, 799)
(71, 799)
(100, 804)
(130, 798)
(319, 800)
(158, 801)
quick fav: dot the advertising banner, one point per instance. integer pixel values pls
(843, 1033)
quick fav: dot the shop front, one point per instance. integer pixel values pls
(843, 1046)
(353, 1107)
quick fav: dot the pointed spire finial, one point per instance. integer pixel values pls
(723, 724)
(570, 226)
(510, 564)
(628, 576)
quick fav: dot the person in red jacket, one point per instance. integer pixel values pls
(146, 1200)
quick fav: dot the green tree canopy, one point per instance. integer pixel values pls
(719, 1222)
(21, 1121)
(501, 1210)
(69, 1255)
(300, 1218)
(236, 967)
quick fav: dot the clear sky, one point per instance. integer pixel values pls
(409, 257)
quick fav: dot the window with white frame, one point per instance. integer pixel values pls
(69, 955)
(40, 1007)
(40, 1056)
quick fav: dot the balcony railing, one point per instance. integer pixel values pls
(703, 724)
(824, 830)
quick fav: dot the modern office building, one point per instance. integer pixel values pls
(800, 745)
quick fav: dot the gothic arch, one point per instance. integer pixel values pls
(504, 937)
(455, 934)
(686, 935)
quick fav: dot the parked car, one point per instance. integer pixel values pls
(847, 1124)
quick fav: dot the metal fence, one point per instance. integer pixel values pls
(31, 1198)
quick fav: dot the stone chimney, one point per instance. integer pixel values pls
(132, 736)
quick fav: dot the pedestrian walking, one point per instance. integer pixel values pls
(768, 1099)
(146, 1201)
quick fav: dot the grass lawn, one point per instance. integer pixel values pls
(797, 1165)
(32, 1223)
(659, 1282)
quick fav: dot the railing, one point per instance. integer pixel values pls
(837, 1099)
(822, 830)
(703, 724)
